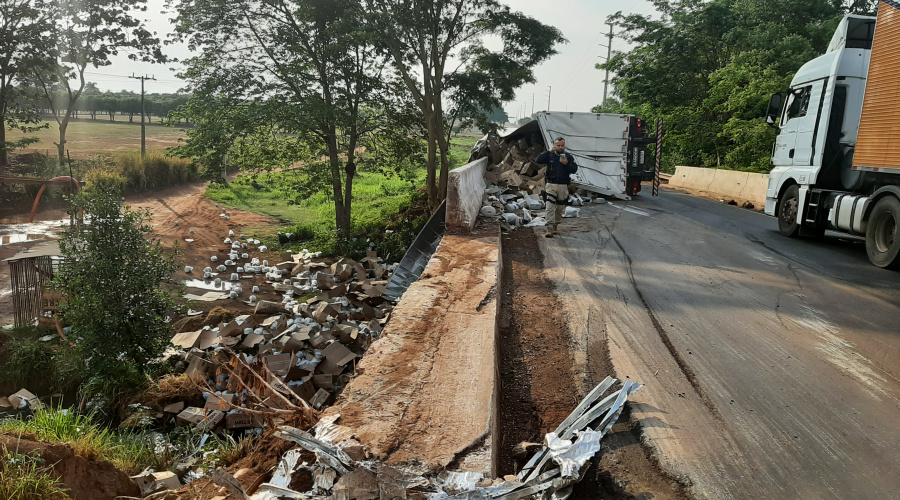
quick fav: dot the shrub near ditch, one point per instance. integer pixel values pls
(154, 171)
(389, 234)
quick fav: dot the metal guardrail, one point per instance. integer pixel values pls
(416, 258)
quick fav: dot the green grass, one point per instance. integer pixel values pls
(27, 477)
(130, 453)
(89, 139)
(461, 148)
(282, 195)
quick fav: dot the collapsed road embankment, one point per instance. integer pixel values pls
(426, 391)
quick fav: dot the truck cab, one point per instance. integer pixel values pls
(814, 183)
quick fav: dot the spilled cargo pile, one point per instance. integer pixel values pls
(300, 356)
(339, 469)
(515, 183)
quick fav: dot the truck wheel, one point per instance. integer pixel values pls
(787, 211)
(882, 235)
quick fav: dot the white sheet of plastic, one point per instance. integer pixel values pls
(572, 212)
(456, 482)
(286, 467)
(570, 456)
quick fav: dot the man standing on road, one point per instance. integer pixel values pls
(559, 166)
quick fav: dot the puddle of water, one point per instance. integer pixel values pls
(31, 231)
(6, 239)
(224, 286)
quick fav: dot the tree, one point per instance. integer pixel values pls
(86, 33)
(24, 25)
(497, 115)
(864, 7)
(423, 37)
(726, 57)
(111, 277)
(278, 81)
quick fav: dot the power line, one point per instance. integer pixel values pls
(143, 129)
(124, 76)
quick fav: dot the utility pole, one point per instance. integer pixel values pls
(532, 104)
(608, 56)
(549, 88)
(143, 130)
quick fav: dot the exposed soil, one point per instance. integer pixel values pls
(84, 479)
(391, 403)
(185, 204)
(255, 468)
(538, 389)
(539, 386)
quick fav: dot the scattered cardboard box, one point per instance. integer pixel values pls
(217, 402)
(24, 395)
(191, 415)
(338, 354)
(174, 407)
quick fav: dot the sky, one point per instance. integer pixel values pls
(569, 78)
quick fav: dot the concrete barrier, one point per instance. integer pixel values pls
(426, 391)
(719, 184)
(465, 187)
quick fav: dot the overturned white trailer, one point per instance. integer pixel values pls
(610, 149)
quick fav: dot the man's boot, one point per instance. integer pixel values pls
(551, 231)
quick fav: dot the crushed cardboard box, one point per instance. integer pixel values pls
(289, 354)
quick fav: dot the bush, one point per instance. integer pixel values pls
(110, 276)
(155, 171)
(26, 358)
(39, 365)
(104, 179)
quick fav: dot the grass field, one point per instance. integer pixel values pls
(275, 194)
(461, 147)
(87, 139)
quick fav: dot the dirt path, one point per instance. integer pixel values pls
(543, 379)
(185, 204)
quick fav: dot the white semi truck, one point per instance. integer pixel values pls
(835, 164)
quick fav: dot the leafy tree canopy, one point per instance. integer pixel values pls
(281, 81)
(709, 67)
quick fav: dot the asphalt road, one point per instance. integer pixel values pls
(771, 365)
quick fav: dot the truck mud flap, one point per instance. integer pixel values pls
(417, 256)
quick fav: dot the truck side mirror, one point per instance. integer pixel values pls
(774, 111)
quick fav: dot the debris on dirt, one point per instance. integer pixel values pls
(298, 358)
(515, 183)
(21, 399)
(339, 476)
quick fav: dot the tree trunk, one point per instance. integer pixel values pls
(349, 172)
(443, 147)
(4, 157)
(341, 219)
(61, 145)
(431, 179)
